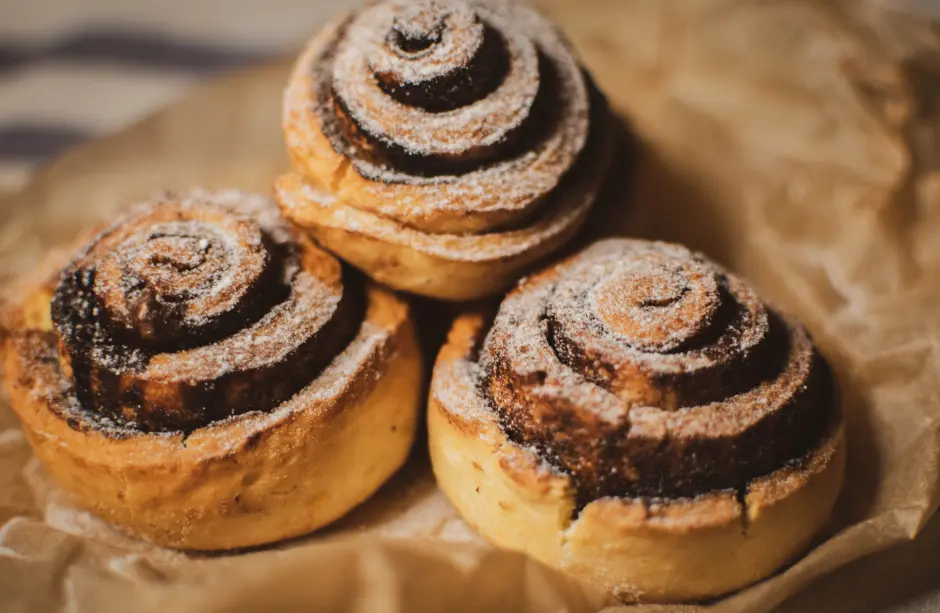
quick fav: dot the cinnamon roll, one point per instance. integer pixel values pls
(638, 417)
(204, 376)
(442, 146)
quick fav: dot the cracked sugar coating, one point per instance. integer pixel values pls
(190, 310)
(643, 369)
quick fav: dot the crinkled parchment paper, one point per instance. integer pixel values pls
(797, 142)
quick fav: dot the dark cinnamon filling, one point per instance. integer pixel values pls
(460, 86)
(632, 423)
(281, 325)
(453, 88)
(416, 32)
(38, 350)
(370, 150)
(733, 371)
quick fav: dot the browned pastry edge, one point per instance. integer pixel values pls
(642, 369)
(640, 549)
(458, 237)
(333, 148)
(251, 479)
(195, 307)
(445, 266)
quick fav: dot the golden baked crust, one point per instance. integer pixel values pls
(252, 478)
(669, 539)
(422, 170)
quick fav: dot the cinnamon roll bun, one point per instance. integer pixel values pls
(638, 417)
(442, 146)
(204, 376)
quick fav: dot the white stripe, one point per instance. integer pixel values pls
(93, 98)
(13, 176)
(271, 25)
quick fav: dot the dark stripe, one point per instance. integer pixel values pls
(30, 143)
(134, 49)
(9, 57)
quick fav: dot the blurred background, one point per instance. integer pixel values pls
(74, 69)
(71, 70)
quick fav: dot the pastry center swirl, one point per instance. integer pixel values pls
(656, 303)
(436, 57)
(177, 279)
(417, 29)
(191, 310)
(644, 369)
(468, 93)
(446, 116)
(433, 87)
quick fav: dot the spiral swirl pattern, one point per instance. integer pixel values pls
(190, 310)
(642, 369)
(474, 109)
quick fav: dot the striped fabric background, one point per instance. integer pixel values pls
(74, 69)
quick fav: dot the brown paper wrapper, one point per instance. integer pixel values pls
(796, 142)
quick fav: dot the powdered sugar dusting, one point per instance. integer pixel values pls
(276, 334)
(364, 357)
(272, 339)
(624, 421)
(474, 161)
(662, 337)
(563, 216)
(180, 261)
(484, 123)
(450, 31)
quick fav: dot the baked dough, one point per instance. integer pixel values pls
(684, 472)
(242, 430)
(442, 148)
